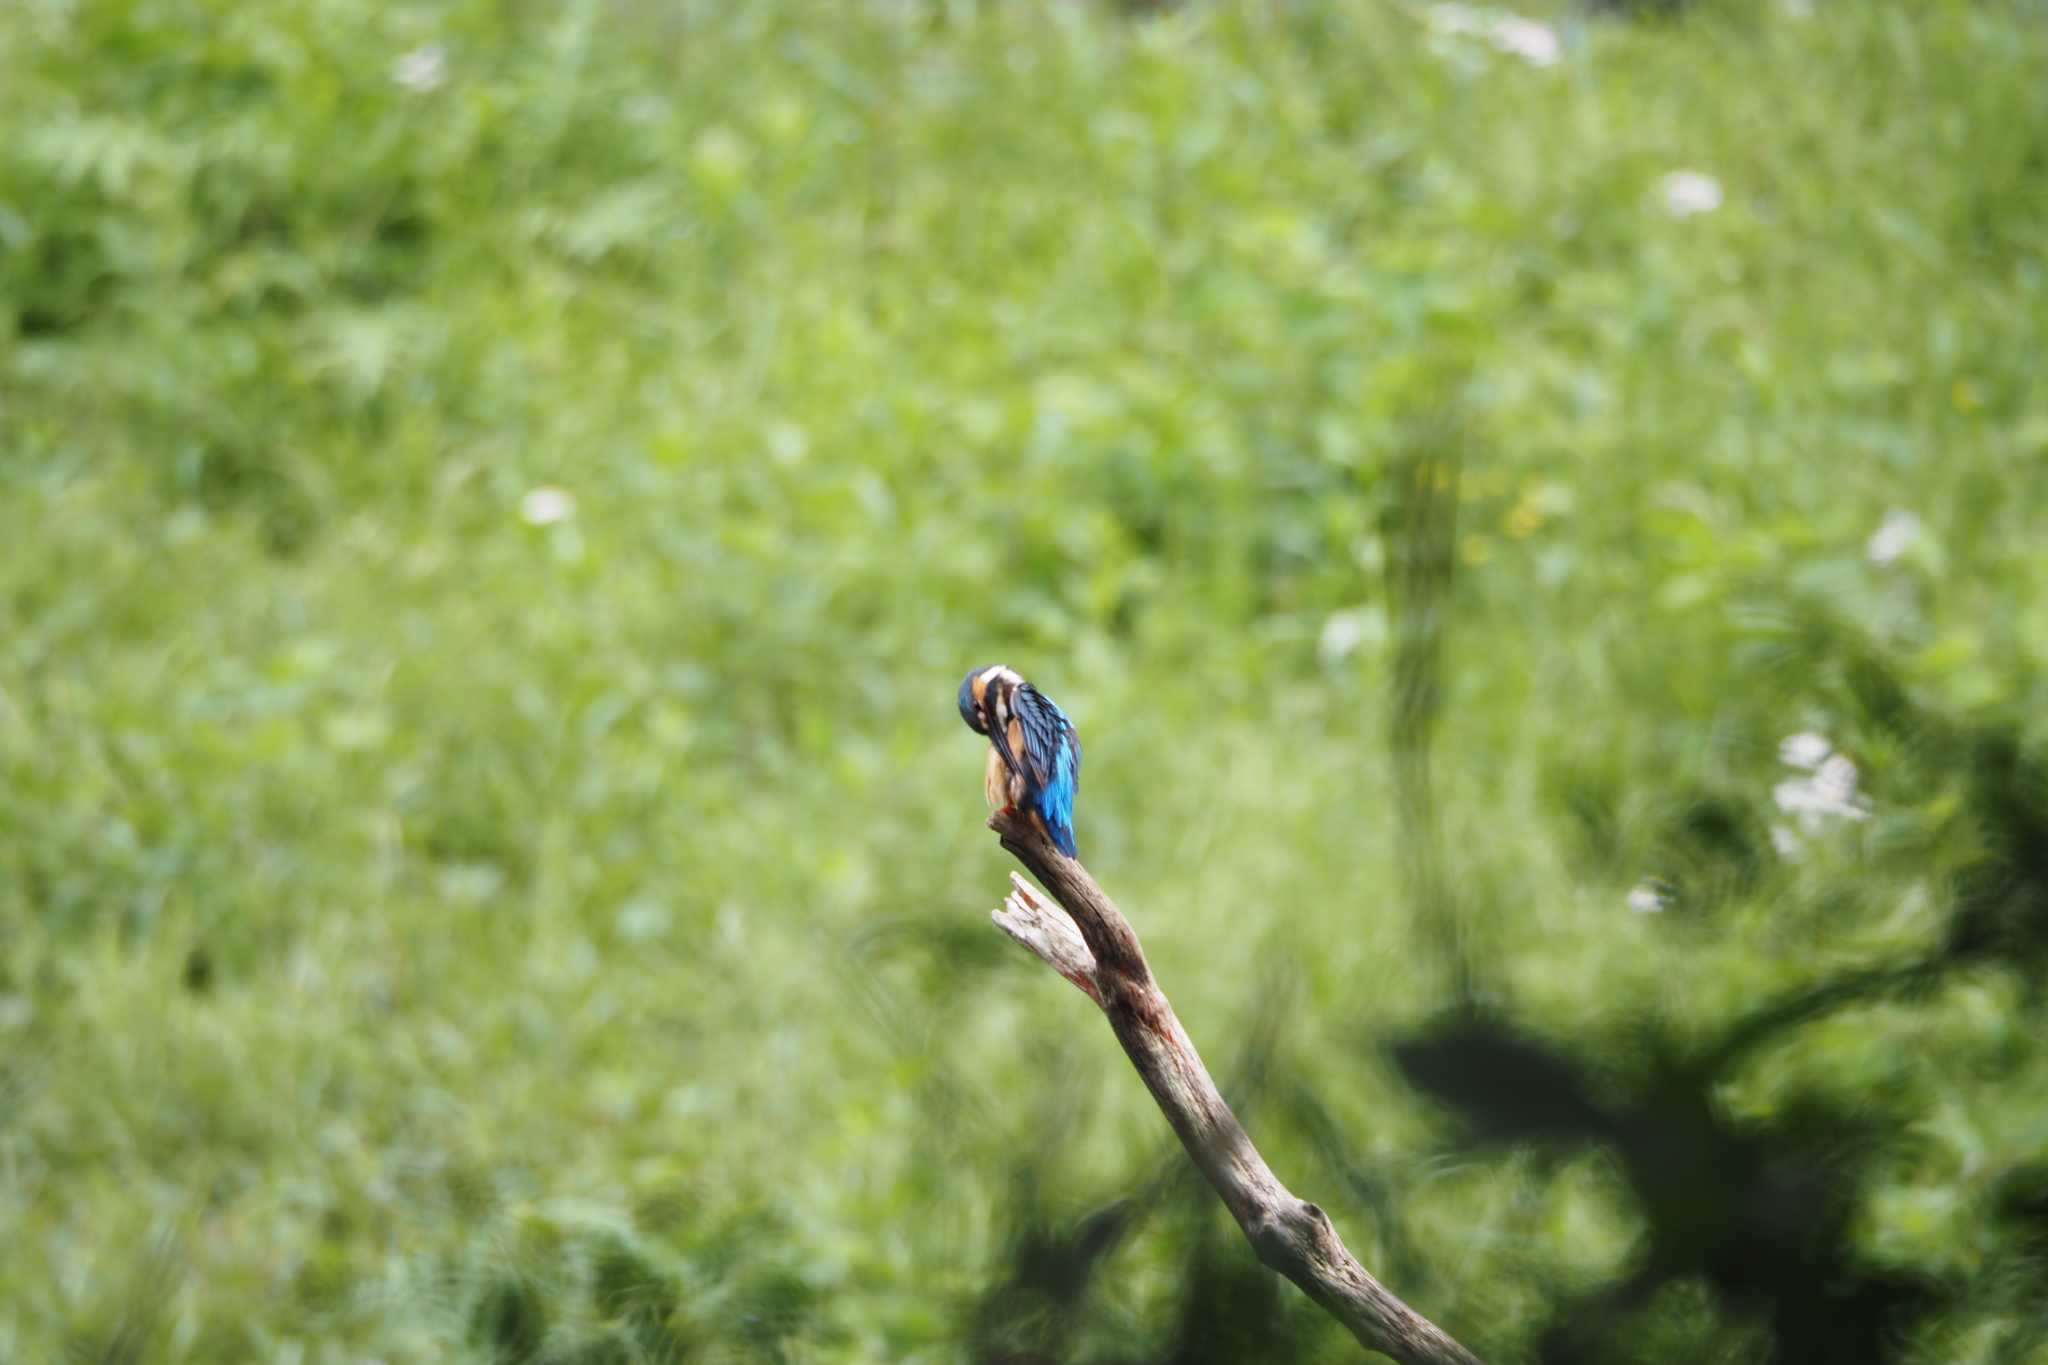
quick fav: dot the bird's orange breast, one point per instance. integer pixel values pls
(995, 779)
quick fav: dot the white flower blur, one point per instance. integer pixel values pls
(546, 505)
(1687, 193)
(1893, 536)
(1535, 43)
(1835, 781)
(1646, 897)
(1451, 17)
(1830, 794)
(1346, 632)
(422, 69)
(1804, 750)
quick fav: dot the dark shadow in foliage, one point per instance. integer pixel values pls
(1421, 526)
(776, 1307)
(1041, 1310)
(1710, 844)
(2001, 911)
(1713, 849)
(1035, 1312)
(509, 1319)
(1760, 1212)
(1398, 1261)
(141, 1310)
(198, 973)
(1232, 1309)
(2023, 1208)
(1638, 9)
(2020, 1211)
(1998, 913)
(1228, 1307)
(636, 1295)
(607, 1300)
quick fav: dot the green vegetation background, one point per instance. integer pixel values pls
(428, 935)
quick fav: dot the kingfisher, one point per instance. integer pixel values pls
(1034, 756)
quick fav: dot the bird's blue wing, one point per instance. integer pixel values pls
(1042, 723)
(1057, 802)
(1052, 762)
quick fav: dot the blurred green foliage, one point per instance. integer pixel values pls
(444, 922)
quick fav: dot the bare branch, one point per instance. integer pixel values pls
(1290, 1235)
(1047, 933)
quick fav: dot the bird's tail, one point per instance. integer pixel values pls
(1060, 831)
(1055, 805)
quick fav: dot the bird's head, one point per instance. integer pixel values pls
(974, 691)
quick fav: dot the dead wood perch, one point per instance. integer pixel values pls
(1093, 946)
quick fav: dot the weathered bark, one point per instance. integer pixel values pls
(1093, 946)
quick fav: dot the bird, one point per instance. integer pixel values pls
(1034, 757)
